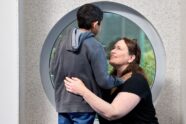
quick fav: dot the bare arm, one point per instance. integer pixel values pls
(123, 103)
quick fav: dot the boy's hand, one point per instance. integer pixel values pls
(127, 76)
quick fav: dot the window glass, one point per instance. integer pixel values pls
(115, 26)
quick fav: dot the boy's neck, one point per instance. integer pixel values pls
(83, 30)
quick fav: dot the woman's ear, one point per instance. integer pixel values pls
(131, 59)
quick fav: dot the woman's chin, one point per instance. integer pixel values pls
(112, 63)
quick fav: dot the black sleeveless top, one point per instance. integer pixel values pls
(144, 112)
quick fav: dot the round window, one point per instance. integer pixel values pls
(118, 21)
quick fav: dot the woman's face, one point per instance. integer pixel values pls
(119, 55)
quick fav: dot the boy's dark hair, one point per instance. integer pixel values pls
(87, 14)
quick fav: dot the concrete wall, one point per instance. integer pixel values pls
(38, 17)
(183, 65)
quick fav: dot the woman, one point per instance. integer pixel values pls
(130, 103)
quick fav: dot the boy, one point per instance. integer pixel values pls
(81, 55)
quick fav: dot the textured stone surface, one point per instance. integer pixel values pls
(183, 61)
(38, 17)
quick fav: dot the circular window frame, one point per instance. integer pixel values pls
(119, 9)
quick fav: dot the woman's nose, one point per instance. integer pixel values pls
(113, 51)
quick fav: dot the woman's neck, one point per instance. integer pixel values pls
(120, 70)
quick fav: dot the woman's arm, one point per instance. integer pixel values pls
(122, 104)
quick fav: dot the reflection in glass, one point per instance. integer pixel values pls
(115, 26)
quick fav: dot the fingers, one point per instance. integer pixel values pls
(68, 86)
(67, 83)
(68, 79)
(72, 79)
(76, 79)
(127, 76)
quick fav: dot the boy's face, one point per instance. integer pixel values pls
(95, 27)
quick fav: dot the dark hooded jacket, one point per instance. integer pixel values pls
(80, 55)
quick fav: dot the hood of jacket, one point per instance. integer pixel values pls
(76, 39)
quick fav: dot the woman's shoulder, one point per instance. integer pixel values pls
(138, 76)
(137, 84)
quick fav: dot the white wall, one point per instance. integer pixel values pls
(9, 64)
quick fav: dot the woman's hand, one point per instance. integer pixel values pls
(74, 85)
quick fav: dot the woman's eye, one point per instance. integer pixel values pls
(118, 48)
(113, 48)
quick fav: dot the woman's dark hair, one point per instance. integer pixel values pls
(133, 49)
(87, 14)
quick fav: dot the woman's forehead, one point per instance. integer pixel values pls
(120, 43)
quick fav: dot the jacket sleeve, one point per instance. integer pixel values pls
(99, 67)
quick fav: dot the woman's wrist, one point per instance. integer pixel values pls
(84, 92)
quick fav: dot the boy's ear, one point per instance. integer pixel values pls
(94, 24)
